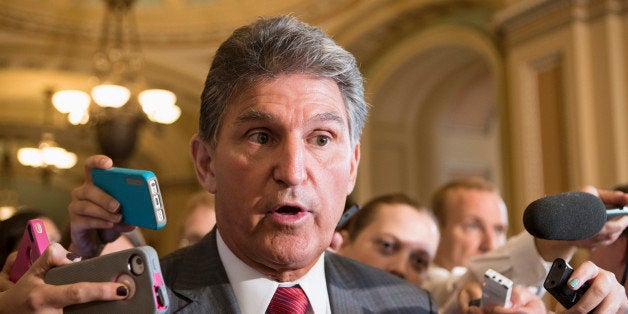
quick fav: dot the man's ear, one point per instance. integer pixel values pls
(336, 242)
(355, 161)
(202, 157)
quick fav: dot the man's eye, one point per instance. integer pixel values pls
(260, 138)
(472, 226)
(322, 140)
(500, 230)
(386, 247)
(419, 263)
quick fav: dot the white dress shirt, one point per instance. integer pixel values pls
(253, 290)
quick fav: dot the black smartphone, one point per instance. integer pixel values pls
(347, 215)
(556, 284)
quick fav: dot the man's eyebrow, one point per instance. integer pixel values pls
(328, 116)
(256, 115)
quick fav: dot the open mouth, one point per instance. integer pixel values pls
(288, 210)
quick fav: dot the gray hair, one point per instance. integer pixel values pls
(273, 46)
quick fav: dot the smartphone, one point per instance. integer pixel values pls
(137, 267)
(556, 284)
(32, 244)
(347, 215)
(496, 289)
(138, 193)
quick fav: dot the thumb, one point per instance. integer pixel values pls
(54, 255)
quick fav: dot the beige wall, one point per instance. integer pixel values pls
(567, 94)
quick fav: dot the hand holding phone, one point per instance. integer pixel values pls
(138, 193)
(556, 284)
(138, 268)
(32, 245)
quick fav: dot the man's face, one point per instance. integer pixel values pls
(399, 239)
(475, 222)
(281, 170)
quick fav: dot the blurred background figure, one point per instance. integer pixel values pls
(11, 230)
(200, 218)
(393, 233)
(473, 220)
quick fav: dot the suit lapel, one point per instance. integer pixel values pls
(202, 280)
(341, 297)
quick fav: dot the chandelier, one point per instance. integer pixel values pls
(118, 103)
(48, 155)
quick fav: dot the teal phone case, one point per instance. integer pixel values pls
(138, 193)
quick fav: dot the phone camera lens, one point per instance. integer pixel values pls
(136, 264)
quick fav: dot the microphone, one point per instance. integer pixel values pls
(568, 216)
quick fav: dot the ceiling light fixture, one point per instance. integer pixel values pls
(114, 103)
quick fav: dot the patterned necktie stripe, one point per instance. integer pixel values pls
(288, 300)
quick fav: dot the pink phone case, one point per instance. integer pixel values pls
(33, 243)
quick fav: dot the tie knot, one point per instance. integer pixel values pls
(288, 300)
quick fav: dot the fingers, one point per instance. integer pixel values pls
(96, 161)
(613, 198)
(470, 291)
(605, 294)
(9, 262)
(51, 296)
(590, 189)
(54, 255)
(77, 293)
(5, 282)
(90, 201)
(92, 207)
(526, 301)
(89, 197)
(611, 231)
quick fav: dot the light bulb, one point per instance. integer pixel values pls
(159, 105)
(29, 156)
(109, 95)
(70, 100)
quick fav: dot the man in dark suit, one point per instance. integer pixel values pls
(278, 145)
(199, 284)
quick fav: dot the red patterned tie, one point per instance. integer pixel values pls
(288, 300)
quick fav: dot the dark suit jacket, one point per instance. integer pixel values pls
(197, 283)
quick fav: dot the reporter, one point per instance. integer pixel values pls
(525, 259)
(31, 294)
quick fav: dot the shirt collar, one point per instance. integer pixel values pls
(253, 290)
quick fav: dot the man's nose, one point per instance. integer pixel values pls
(398, 266)
(489, 241)
(290, 165)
